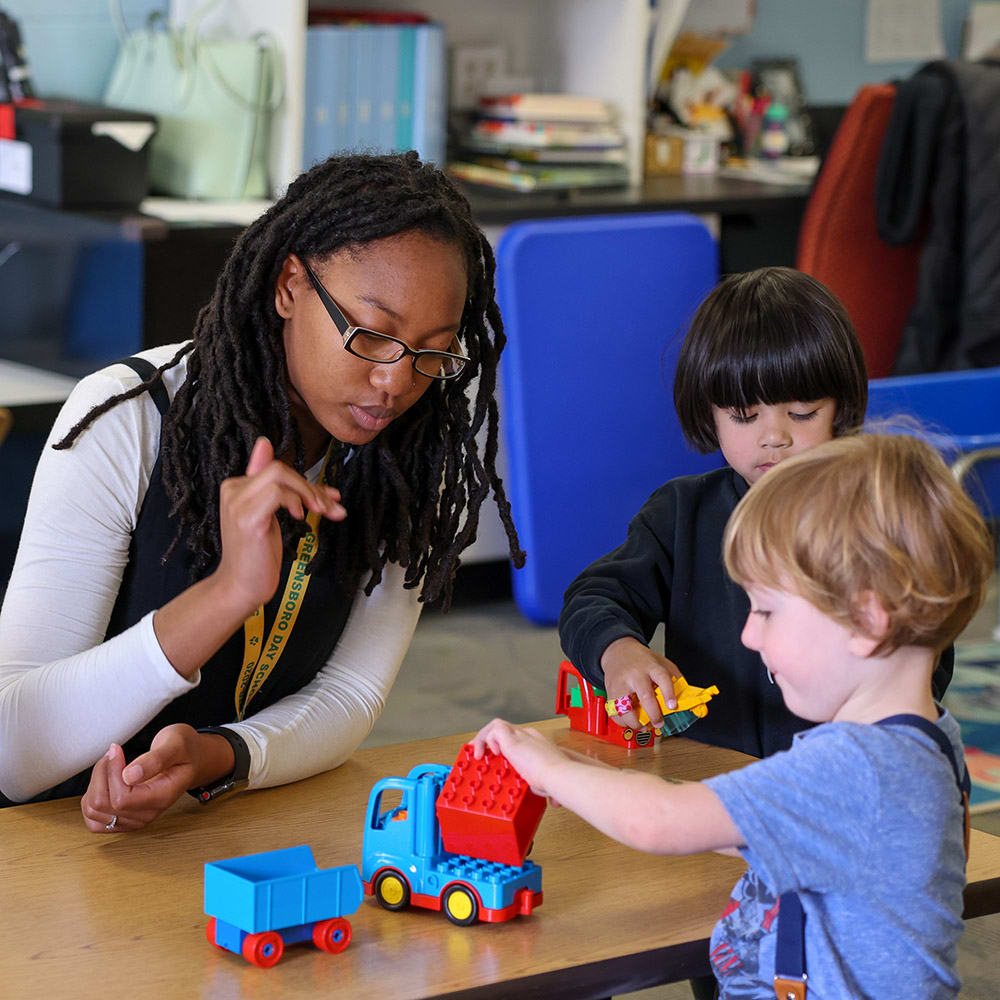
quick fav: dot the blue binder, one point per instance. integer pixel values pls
(327, 91)
(595, 309)
(429, 99)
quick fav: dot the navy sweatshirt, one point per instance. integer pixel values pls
(669, 569)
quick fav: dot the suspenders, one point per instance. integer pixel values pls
(790, 949)
(146, 371)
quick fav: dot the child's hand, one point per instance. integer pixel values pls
(531, 754)
(630, 668)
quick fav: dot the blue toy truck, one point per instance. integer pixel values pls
(404, 861)
(261, 902)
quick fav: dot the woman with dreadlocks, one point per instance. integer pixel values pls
(225, 548)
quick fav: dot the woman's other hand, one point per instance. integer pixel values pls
(124, 797)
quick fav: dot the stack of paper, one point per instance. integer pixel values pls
(530, 142)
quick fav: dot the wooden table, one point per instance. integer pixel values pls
(121, 916)
(23, 385)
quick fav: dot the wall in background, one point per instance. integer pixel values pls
(71, 44)
(828, 39)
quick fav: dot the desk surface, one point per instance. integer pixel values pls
(23, 385)
(683, 193)
(96, 916)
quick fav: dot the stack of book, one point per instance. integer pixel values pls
(374, 82)
(542, 142)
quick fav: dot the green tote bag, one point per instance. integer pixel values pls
(214, 98)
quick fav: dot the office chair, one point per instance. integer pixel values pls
(594, 309)
(839, 242)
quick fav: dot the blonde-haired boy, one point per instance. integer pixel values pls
(862, 559)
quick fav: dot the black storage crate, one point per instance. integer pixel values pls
(74, 164)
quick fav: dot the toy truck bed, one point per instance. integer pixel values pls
(261, 902)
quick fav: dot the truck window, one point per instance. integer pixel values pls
(391, 805)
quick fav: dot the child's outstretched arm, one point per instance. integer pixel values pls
(638, 810)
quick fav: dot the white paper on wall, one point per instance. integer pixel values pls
(903, 31)
(982, 30)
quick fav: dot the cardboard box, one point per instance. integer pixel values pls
(681, 151)
(69, 154)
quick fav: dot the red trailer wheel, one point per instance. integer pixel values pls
(332, 935)
(210, 934)
(264, 949)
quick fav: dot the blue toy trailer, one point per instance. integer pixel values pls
(261, 902)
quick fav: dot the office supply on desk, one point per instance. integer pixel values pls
(513, 175)
(542, 142)
(783, 170)
(594, 309)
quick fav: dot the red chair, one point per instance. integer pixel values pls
(839, 242)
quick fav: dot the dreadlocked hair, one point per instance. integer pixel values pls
(416, 490)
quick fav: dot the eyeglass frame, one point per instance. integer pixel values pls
(349, 331)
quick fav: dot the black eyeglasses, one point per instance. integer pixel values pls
(383, 349)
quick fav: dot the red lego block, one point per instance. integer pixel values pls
(7, 127)
(487, 811)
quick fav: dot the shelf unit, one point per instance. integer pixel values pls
(594, 47)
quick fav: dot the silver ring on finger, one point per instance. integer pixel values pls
(114, 822)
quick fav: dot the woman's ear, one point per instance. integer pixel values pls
(871, 623)
(285, 287)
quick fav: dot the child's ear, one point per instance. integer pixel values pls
(871, 623)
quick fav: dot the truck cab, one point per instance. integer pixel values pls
(583, 704)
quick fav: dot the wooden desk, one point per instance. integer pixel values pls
(758, 223)
(121, 916)
(24, 385)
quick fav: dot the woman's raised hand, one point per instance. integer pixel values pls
(251, 536)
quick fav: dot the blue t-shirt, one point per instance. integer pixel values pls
(866, 824)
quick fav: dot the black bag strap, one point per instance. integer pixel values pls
(145, 370)
(790, 949)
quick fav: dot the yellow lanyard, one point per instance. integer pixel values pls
(259, 657)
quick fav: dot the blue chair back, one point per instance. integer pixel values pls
(961, 412)
(595, 310)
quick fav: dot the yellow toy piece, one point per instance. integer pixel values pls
(689, 699)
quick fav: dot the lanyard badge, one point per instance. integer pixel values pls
(260, 657)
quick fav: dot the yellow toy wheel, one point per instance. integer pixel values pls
(392, 890)
(460, 906)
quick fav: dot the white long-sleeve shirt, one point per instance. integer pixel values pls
(66, 694)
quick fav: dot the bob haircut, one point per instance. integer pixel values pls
(769, 336)
(867, 514)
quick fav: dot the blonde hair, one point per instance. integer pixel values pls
(867, 513)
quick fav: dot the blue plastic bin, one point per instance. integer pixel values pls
(595, 309)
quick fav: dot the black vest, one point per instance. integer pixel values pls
(148, 584)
